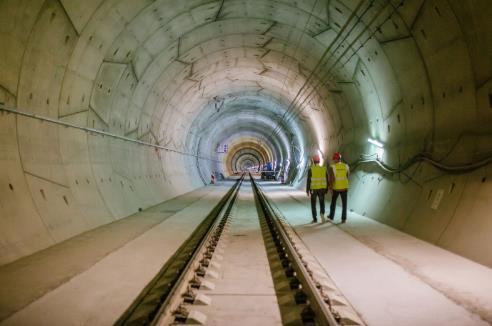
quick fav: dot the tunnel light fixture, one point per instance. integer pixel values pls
(375, 142)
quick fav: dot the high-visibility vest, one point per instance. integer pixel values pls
(340, 171)
(318, 177)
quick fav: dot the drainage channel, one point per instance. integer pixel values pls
(162, 300)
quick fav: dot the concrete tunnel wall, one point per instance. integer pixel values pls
(418, 81)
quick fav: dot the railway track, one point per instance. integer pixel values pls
(186, 280)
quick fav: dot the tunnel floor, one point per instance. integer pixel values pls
(69, 284)
(389, 277)
(244, 293)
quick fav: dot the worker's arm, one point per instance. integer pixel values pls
(331, 177)
(327, 178)
(308, 183)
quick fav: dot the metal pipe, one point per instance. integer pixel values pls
(457, 169)
(3, 108)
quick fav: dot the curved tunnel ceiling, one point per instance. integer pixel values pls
(188, 65)
(192, 76)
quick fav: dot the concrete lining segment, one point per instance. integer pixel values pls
(52, 279)
(407, 280)
(208, 47)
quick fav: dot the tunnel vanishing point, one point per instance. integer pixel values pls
(110, 107)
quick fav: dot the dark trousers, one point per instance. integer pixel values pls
(317, 193)
(334, 198)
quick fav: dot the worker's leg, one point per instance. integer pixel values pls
(321, 194)
(344, 205)
(313, 205)
(334, 197)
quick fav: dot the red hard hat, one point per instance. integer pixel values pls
(337, 156)
(316, 158)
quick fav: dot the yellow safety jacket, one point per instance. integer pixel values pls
(318, 177)
(340, 173)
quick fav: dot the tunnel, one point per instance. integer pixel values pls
(119, 118)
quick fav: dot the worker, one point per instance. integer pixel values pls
(338, 182)
(317, 187)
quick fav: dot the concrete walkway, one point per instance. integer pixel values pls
(91, 279)
(391, 278)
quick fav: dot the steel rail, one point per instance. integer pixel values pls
(165, 315)
(159, 298)
(323, 314)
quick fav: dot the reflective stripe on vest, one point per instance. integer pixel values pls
(318, 177)
(340, 172)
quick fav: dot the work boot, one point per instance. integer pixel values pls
(322, 218)
(314, 221)
(343, 221)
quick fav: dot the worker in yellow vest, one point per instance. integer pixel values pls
(317, 187)
(338, 181)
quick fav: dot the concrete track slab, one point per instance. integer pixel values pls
(244, 293)
(391, 278)
(96, 290)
